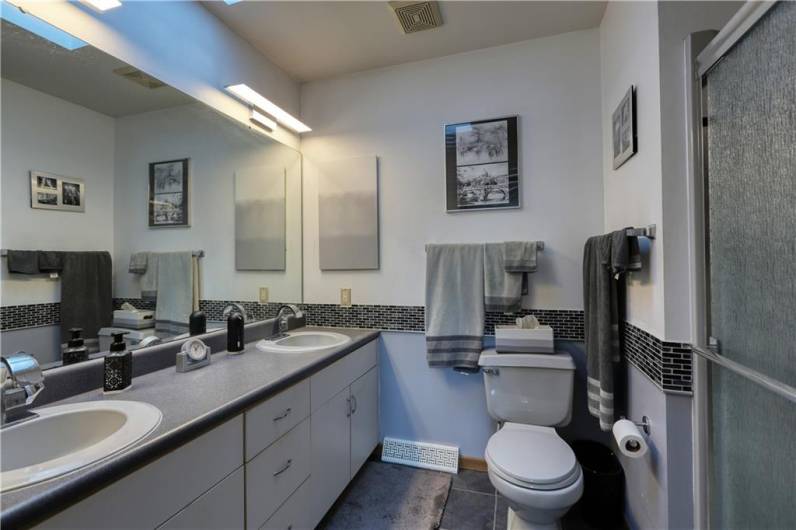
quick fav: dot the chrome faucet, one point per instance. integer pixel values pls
(22, 381)
(235, 307)
(282, 317)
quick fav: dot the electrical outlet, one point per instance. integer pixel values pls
(345, 297)
(263, 295)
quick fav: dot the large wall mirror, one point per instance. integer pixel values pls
(127, 205)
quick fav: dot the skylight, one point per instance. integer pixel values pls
(39, 27)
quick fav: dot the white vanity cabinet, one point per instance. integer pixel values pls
(279, 465)
(345, 424)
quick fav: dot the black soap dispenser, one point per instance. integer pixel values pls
(235, 332)
(197, 323)
(118, 365)
(76, 351)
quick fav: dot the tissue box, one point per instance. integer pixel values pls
(141, 319)
(511, 339)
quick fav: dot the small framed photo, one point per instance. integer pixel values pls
(55, 192)
(623, 125)
(168, 193)
(481, 170)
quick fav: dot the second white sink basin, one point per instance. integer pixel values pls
(65, 438)
(303, 341)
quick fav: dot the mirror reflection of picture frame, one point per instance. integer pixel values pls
(481, 165)
(169, 193)
(55, 192)
(623, 129)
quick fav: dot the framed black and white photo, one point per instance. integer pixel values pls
(168, 193)
(55, 192)
(623, 125)
(481, 170)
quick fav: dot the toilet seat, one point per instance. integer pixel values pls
(532, 457)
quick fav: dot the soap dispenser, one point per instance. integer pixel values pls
(118, 365)
(197, 323)
(76, 351)
(235, 332)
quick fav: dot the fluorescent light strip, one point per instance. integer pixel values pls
(231, 2)
(262, 120)
(103, 5)
(37, 26)
(250, 96)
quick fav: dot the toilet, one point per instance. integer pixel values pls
(528, 462)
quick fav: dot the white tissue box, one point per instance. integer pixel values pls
(140, 319)
(511, 339)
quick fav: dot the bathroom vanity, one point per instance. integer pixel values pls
(256, 440)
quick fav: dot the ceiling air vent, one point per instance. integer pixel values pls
(138, 77)
(417, 16)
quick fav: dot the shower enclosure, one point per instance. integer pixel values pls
(743, 102)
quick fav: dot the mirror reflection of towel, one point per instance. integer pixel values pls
(86, 292)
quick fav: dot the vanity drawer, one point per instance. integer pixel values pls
(338, 375)
(274, 474)
(294, 514)
(267, 421)
(221, 507)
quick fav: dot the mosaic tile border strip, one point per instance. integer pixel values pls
(29, 316)
(667, 364)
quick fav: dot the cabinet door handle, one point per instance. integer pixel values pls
(349, 410)
(354, 400)
(284, 468)
(283, 415)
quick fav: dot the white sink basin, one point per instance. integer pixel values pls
(66, 438)
(303, 341)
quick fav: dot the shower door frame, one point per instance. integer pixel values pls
(702, 51)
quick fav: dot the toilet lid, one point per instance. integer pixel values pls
(532, 457)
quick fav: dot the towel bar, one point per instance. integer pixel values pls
(648, 232)
(197, 253)
(539, 245)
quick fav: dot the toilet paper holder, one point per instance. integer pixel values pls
(644, 424)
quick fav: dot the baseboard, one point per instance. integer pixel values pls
(472, 463)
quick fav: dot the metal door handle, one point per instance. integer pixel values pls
(283, 415)
(354, 400)
(284, 468)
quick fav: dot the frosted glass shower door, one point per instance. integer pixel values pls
(750, 104)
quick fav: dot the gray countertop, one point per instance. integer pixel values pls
(192, 403)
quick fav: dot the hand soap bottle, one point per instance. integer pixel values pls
(76, 351)
(197, 323)
(118, 365)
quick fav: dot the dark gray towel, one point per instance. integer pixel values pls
(51, 261)
(23, 261)
(605, 259)
(86, 293)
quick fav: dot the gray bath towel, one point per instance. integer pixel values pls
(86, 293)
(149, 278)
(520, 256)
(502, 290)
(605, 259)
(23, 261)
(176, 298)
(138, 262)
(51, 261)
(454, 305)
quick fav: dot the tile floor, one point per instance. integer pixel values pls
(473, 504)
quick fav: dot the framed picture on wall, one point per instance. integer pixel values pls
(55, 192)
(623, 125)
(481, 170)
(168, 193)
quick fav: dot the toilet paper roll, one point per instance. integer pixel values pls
(629, 439)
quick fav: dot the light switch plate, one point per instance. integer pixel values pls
(345, 297)
(263, 295)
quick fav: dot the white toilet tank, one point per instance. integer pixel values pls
(534, 389)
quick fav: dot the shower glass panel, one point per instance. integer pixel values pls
(750, 104)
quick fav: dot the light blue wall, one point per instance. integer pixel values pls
(440, 405)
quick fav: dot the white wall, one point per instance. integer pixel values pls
(217, 147)
(45, 133)
(183, 45)
(398, 114)
(629, 51)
